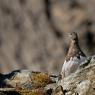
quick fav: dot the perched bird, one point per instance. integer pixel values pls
(74, 57)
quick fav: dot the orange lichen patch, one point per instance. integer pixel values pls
(32, 92)
(40, 79)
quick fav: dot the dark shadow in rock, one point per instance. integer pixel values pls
(49, 92)
(17, 25)
(88, 23)
(2, 78)
(57, 33)
(11, 93)
(6, 10)
(22, 2)
(89, 35)
(89, 39)
(12, 73)
(74, 4)
(48, 8)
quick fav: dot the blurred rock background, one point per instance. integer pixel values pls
(34, 33)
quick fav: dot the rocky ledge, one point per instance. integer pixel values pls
(25, 82)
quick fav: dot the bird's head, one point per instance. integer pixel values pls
(74, 36)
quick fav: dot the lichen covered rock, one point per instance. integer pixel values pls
(25, 82)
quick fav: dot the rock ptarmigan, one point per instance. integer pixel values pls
(74, 57)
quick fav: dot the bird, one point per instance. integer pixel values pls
(74, 57)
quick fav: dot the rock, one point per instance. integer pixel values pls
(26, 82)
(26, 79)
(82, 82)
(21, 92)
(59, 91)
(2, 93)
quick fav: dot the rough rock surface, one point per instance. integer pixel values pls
(82, 82)
(25, 82)
(33, 32)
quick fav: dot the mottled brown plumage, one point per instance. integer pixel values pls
(74, 48)
(74, 57)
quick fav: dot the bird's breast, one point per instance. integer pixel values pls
(71, 65)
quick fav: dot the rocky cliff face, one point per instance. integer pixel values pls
(33, 33)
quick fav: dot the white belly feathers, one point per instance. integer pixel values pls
(72, 65)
